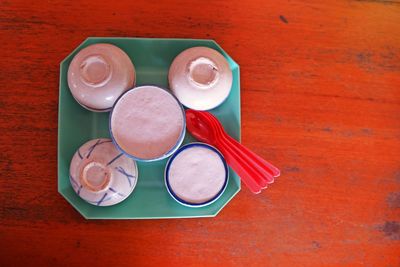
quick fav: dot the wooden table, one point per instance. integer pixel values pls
(320, 99)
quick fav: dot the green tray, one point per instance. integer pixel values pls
(76, 125)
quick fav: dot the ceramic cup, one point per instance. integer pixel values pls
(98, 75)
(147, 123)
(102, 175)
(196, 175)
(200, 77)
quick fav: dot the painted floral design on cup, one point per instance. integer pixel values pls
(102, 175)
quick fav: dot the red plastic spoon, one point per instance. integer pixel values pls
(255, 174)
(254, 171)
(202, 131)
(267, 169)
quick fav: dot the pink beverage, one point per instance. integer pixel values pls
(147, 123)
(98, 75)
(196, 175)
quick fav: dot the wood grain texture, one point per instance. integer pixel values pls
(320, 99)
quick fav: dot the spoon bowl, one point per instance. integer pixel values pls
(201, 129)
(254, 171)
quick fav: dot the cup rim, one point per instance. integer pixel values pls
(169, 152)
(187, 203)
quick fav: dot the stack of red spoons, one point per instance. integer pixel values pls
(255, 172)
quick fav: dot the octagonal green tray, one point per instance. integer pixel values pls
(76, 125)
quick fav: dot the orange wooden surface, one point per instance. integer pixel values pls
(320, 99)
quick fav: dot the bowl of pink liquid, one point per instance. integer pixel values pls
(196, 175)
(147, 123)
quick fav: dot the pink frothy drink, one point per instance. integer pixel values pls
(147, 123)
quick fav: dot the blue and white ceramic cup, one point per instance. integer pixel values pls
(102, 175)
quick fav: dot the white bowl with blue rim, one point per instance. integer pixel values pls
(196, 175)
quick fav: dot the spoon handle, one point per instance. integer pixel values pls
(255, 174)
(267, 169)
(262, 177)
(258, 162)
(241, 170)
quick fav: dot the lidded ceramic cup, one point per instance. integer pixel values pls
(200, 77)
(99, 74)
(102, 175)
